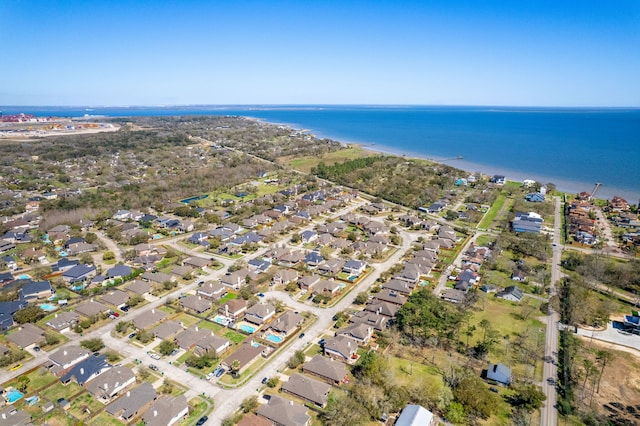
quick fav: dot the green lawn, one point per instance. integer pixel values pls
(84, 405)
(305, 164)
(490, 216)
(106, 420)
(227, 297)
(484, 240)
(61, 391)
(235, 337)
(187, 320)
(38, 380)
(216, 328)
(197, 408)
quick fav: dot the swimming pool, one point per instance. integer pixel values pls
(47, 307)
(13, 395)
(273, 338)
(247, 328)
(352, 278)
(24, 277)
(222, 320)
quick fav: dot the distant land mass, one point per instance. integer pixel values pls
(571, 147)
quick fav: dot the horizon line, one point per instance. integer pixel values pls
(318, 105)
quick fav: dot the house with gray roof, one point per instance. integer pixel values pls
(500, 373)
(132, 402)
(79, 273)
(341, 348)
(119, 271)
(284, 276)
(110, 383)
(68, 356)
(182, 271)
(308, 389)
(390, 296)
(400, 286)
(10, 416)
(195, 304)
(382, 308)
(63, 321)
(260, 313)
(91, 307)
(116, 297)
(331, 267)
(308, 282)
(246, 354)
(33, 290)
(212, 290)
(287, 323)
(512, 293)
(360, 332)
(454, 296)
(27, 335)
(157, 277)
(376, 321)
(415, 415)
(167, 329)
(86, 370)
(212, 344)
(166, 411)
(283, 412)
(149, 318)
(327, 369)
(139, 287)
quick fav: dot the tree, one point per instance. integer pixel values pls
(296, 360)
(249, 404)
(112, 356)
(23, 383)
(604, 358)
(528, 396)
(361, 298)
(166, 347)
(51, 338)
(92, 344)
(108, 256)
(91, 237)
(167, 387)
(235, 367)
(31, 313)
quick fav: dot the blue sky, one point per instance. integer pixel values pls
(547, 53)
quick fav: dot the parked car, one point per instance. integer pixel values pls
(36, 348)
(154, 367)
(16, 367)
(154, 356)
(265, 380)
(125, 308)
(301, 336)
(202, 420)
(210, 375)
(260, 294)
(220, 372)
(132, 335)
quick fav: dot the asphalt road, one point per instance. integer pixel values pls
(549, 411)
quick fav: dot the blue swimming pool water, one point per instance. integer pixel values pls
(221, 320)
(247, 328)
(13, 396)
(352, 278)
(24, 277)
(47, 307)
(273, 338)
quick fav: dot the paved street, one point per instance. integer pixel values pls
(549, 412)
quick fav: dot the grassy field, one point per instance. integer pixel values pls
(305, 164)
(61, 391)
(235, 337)
(187, 320)
(216, 328)
(490, 216)
(106, 419)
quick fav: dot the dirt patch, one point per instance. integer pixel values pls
(619, 395)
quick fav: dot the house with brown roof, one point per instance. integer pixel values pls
(195, 304)
(308, 282)
(149, 318)
(233, 308)
(246, 354)
(251, 419)
(157, 277)
(283, 412)
(196, 262)
(68, 356)
(327, 369)
(331, 267)
(390, 296)
(308, 389)
(167, 329)
(402, 287)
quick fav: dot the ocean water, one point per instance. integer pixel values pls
(571, 147)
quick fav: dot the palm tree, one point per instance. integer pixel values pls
(235, 367)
